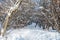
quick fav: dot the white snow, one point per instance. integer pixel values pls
(35, 34)
(30, 33)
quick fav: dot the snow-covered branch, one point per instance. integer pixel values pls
(9, 12)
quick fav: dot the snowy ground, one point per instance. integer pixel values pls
(30, 33)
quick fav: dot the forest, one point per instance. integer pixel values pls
(20, 13)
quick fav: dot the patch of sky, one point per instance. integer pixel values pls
(38, 4)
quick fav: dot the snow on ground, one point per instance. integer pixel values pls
(30, 33)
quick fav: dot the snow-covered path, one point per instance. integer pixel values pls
(27, 34)
(30, 33)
